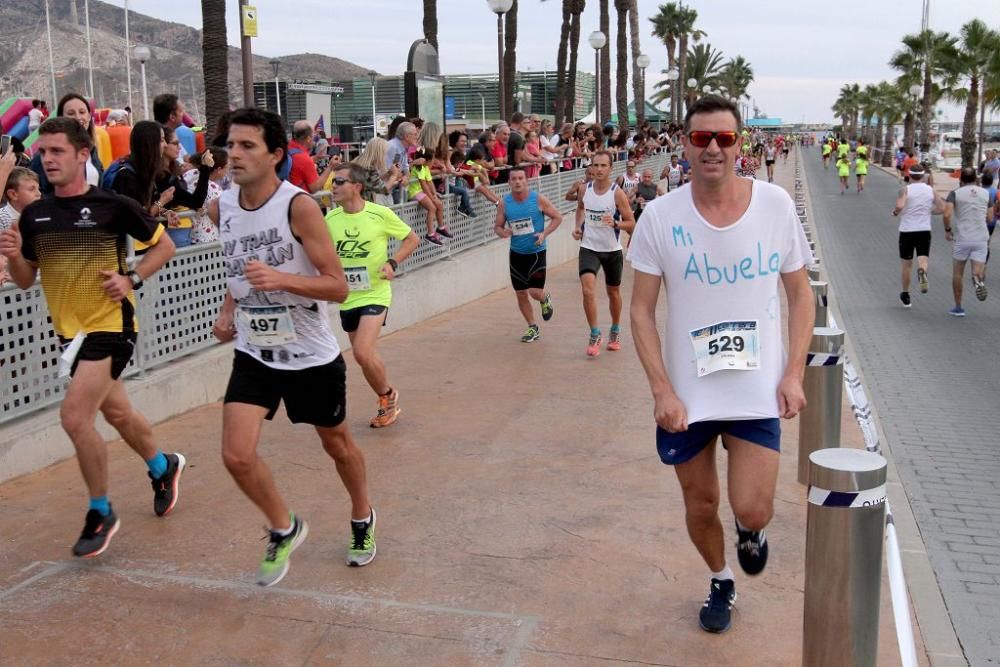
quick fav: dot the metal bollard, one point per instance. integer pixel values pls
(819, 293)
(819, 422)
(845, 524)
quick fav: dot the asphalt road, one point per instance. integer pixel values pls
(935, 383)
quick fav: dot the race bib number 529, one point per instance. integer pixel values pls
(731, 346)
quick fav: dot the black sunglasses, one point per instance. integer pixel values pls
(340, 180)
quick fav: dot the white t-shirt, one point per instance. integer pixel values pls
(916, 213)
(722, 275)
(34, 119)
(8, 216)
(596, 235)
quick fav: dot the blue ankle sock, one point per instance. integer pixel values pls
(157, 465)
(595, 331)
(101, 504)
(616, 328)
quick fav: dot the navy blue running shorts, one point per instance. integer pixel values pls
(676, 448)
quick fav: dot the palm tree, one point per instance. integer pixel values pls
(604, 112)
(214, 61)
(510, 57)
(971, 60)
(703, 65)
(576, 11)
(687, 17)
(638, 85)
(927, 52)
(991, 96)
(621, 58)
(735, 77)
(431, 22)
(560, 101)
(868, 109)
(666, 28)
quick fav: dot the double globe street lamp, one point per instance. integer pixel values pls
(142, 54)
(597, 40)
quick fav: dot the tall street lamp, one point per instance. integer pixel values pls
(500, 7)
(597, 40)
(915, 90)
(692, 87)
(275, 64)
(643, 62)
(672, 76)
(372, 75)
(142, 54)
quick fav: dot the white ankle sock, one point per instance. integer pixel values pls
(723, 574)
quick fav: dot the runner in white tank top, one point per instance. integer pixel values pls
(629, 181)
(282, 269)
(914, 206)
(597, 229)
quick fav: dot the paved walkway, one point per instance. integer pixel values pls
(524, 519)
(935, 382)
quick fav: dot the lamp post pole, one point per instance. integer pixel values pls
(597, 40)
(500, 7)
(482, 99)
(372, 76)
(275, 64)
(142, 54)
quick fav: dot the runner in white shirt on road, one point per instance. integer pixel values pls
(721, 247)
(915, 204)
(601, 213)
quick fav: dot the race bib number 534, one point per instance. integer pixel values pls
(733, 346)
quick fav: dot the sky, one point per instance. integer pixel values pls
(801, 51)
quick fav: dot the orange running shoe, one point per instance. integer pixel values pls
(388, 410)
(614, 340)
(594, 346)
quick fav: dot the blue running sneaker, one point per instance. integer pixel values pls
(717, 612)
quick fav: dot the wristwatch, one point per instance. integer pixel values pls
(135, 278)
(393, 263)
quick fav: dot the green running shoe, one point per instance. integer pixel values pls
(362, 549)
(547, 308)
(274, 567)
(531, 334)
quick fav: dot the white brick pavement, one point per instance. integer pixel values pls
(935, 382)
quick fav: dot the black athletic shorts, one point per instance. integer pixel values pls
(768, 163)
(350, 319)
(613, 264)
(103, 344)
(527, 271)
(910, 242)
(316, 395)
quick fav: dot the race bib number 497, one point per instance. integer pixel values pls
(733, 346)
(266, 326)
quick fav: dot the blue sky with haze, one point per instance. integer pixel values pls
(802, 51)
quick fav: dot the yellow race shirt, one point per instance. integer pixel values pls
(417, 174)
(843, 167)
(362, 242)
(827, 149)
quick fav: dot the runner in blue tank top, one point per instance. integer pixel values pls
(521, 218)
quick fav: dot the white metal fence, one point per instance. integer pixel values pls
(177, 307)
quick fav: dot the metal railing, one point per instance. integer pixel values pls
(177, 307)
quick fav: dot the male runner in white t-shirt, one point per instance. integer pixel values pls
(721, 247)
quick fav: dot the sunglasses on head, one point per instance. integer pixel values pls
(702, 138)
(340, 180)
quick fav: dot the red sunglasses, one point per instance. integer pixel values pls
(702, 138)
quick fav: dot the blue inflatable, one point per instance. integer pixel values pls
(20, 129)
(186, 136)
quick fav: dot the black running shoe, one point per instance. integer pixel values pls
(904, 298)
(717, 612)
(97, 533)
(166, 489)
(751, 548)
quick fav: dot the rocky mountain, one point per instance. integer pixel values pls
(175, 64)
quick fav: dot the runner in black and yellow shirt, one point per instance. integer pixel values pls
(361, 231)
(77, 239)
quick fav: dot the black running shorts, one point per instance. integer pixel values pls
(910, 242)
(613, 264)
(527, 271)
(103, 344)
(316, 395)
(350, 319)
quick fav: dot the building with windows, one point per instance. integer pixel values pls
(347, 107)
